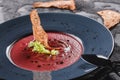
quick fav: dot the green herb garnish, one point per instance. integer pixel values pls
(40, 48)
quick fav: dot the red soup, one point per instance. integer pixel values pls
(70, 52)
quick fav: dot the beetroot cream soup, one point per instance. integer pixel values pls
(70, 52)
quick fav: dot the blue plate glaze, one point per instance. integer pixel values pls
(95, 37)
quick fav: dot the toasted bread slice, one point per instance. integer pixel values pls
(63, 4)
(111, 18)
(38, 31)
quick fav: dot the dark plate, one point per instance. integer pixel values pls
(95, 37)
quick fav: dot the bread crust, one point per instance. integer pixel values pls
(62, 4)
(110, 17)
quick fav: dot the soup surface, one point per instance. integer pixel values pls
(70, 52)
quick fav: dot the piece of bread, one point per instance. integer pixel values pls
(62, 4)
(38, 31)
(111, 18)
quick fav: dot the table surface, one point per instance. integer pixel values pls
(10, 9)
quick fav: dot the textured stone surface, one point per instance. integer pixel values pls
(117, 39)
(10, 9)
